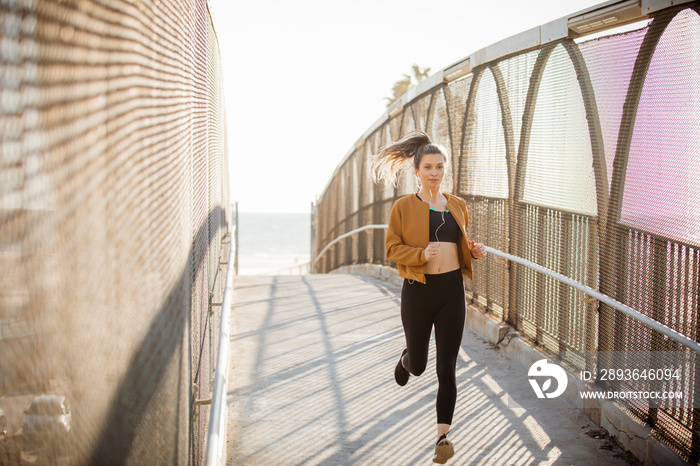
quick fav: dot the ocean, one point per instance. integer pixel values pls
(270, 243)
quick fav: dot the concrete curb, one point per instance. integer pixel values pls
(630, 433)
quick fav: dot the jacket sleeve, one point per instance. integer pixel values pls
(466, 224)
(396, 250)
(466, 214)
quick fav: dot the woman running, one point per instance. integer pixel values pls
(427, 241)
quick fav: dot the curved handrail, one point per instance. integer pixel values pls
(216, 440)
(656, 325)
(356, 230)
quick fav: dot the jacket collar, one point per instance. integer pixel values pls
(451, 201)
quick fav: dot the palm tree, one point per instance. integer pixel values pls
(403, 85)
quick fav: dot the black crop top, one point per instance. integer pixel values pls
(446, 231)
(443, 227)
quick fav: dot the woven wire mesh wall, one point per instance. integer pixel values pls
(114, 214)
(583, 157)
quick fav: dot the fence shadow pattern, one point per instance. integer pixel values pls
(581, 156)
(114, 217)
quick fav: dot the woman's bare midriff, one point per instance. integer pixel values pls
(446, 261)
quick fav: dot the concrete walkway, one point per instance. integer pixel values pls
(311, 382)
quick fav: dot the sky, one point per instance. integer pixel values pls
(304, 79)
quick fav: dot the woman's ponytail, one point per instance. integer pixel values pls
(386, 164)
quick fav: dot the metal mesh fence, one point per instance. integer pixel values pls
(581, 156)
(114, 214)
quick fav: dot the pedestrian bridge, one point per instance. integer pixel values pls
(574, 145)
(311, 381)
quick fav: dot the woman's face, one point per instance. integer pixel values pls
(431, 170)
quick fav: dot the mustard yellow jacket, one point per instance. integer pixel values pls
(408, 236)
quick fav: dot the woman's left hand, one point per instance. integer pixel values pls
(478, 249)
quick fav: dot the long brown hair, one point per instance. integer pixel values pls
(386, 164)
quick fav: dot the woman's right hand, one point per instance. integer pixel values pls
(431, 251)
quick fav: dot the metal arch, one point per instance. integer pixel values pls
(468, 123)
(445, 90)
(415, 112)
(412, 106)
(528, 112)
(597, 151)
(511, 160)
(592, 117)
(406, 116)
(340, 187)
(595, 134)
(363, 185)
(430, 111)
(400, 125)
(385, 137)
(506, 122)
(521, 156)
(358, 182)
(447, 94)
(347, 220)
(629, 110)
(394, 138)
(506, 118)
(594, 129)
(624, 142)
(455, 145)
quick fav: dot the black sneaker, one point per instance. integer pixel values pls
(400, 374)
(444, 450)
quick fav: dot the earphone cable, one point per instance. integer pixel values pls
(442, 214)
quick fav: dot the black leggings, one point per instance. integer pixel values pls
(439, 302)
